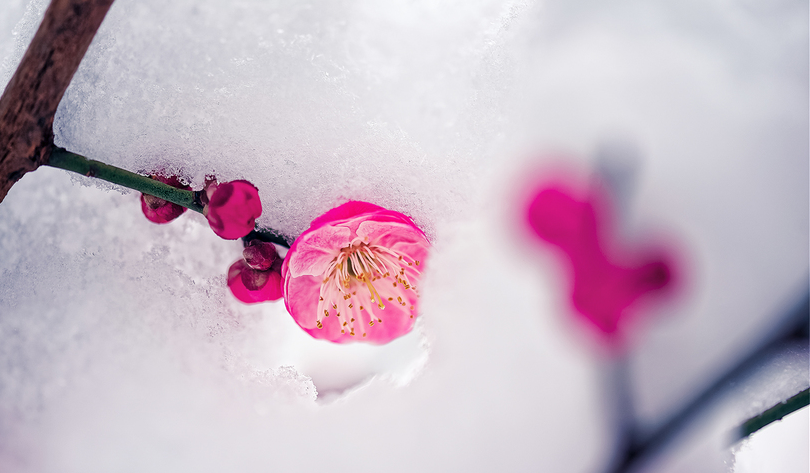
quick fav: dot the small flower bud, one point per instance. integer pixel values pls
(158, 210)
(260, 255)
(251, 286)
(232, 208)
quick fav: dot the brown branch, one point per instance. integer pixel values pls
(29, 102)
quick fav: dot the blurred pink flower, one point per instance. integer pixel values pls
(232, 208)
(606, 281)
(158, 210)
(352, 275)
(256, 277)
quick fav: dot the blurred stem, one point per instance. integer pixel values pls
(63, 159)
(793, 327)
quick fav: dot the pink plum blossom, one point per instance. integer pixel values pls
(353, 275)
(158, 210)
(256, 277)
(232, 208)
(607, 280)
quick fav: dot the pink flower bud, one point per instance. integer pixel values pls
(158, 210)
(260, 255)
(232, 208)
(352, 275)
(251, 285)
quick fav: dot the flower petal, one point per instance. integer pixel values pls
(344, 212)
(389, 232)
(301, 297)
(312, 252)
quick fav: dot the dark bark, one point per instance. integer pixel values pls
(29, 102)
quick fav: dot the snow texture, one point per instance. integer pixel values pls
(122, 350)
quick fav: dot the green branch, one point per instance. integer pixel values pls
(63, 159)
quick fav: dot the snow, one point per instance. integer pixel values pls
(123, 350)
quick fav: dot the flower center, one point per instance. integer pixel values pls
(363, 278)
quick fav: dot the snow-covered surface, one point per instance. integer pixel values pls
(121, 349)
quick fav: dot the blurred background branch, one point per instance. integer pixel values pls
(792, 327)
